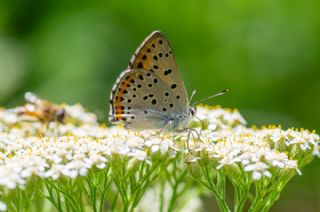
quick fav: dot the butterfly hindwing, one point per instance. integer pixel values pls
(140, 100)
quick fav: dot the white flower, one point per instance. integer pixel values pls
(8, 117)
(138, 154)
(212, 126)
(78, 113)
(3, 206)
(158, 144)
(258, 170)
(55, 171)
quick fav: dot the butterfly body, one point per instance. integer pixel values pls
(151, 94)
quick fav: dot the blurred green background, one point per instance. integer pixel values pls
(266, 52)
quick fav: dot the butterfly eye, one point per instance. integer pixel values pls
(192, 111)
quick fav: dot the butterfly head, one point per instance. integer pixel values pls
(192, 111)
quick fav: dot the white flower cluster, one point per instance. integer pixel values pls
(247, 149)
(29, 149)
(219, 118)
(253, 150)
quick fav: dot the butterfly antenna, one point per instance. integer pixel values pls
(212, 96)
(192, 95)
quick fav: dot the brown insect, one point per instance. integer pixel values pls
(41, 109)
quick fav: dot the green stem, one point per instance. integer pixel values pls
(274, 194)
(113, 203)
(241, 189)
(241, 194)
(175, 193)
(122, 190)
(143, 184)
(208, 181)
(51, 197)
(106, 187)
(258, 197)
(162, 196)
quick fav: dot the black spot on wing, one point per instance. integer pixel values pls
(167, 72)
(173, 86)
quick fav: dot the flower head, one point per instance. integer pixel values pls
(73, 148)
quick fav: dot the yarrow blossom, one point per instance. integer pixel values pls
(73, 149)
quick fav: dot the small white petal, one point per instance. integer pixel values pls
(256, 175)
(101, 165)
(3, 206)
(155, 148)
(267, 174)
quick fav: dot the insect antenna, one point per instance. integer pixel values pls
(192, 94)
(209, 97)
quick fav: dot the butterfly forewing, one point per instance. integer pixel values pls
(151, 90)
(155, 55)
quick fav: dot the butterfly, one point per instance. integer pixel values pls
(151, 94)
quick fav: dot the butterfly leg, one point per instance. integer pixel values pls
(167, 127)
(196, 132)
(202, 125)
(188, 139)
(195, 135)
